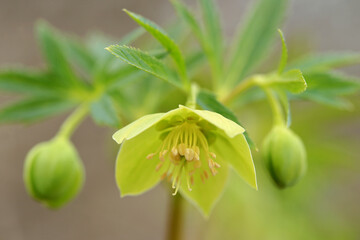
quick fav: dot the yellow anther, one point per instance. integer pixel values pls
(189, 154)
(182, 148)
(213, 155)
(159, 166)
(197, 150)
(162, 155)
(175, 158)
(206, 174)
(211, 163)
(213, 171)
(174, 151)
(150, 156)
(196, 157)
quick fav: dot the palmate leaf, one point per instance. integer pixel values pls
(164, 40)
(253, 43)
(30, 82)
(328, 87)
(53, 50)
(79, 55)
(109, 70)
(104, 112)
(146, 63)
(34, 109)
(125, 73)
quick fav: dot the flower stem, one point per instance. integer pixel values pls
(241, 87)
(73, 121)
(278, 115)
(175, 218)
(191, 101)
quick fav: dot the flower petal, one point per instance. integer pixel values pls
(229, 127)
(205, 194)
(135, 173)
(236, 151)
(137, 127)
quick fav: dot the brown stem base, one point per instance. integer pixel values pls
(174, 230)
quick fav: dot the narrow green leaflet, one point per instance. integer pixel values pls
(329, 100)
(97, 41)
(327, 87)
(145, 62)
(163, 38)
(322, 62)
(28, 82)
(252, 45)
(34, 109)
(208, 101)
(53, 51)
(125, 73)
(292, 81)
(284, 53)
(194, 60)
(104, 112)
(190, 19)
(121, 76)
(212, 28)
(332, 83)
(79, 55)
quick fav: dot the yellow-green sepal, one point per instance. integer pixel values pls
(205, 194)
(236, 152)
(135, 173)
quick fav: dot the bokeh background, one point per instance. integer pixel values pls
(325, 205)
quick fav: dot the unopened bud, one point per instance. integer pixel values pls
(53, 172)
(285, 156)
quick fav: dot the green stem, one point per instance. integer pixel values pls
(278, 114)
(175, 222)
(73, 121)
(240, 88)
(216, 72)
(191, 101)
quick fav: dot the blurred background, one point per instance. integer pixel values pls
(324, 205)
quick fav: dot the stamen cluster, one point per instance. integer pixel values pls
(183, 151)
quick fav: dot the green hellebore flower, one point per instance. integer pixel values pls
(285, 156)
(191, 148)
(53, 172)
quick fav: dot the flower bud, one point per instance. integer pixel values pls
(285, 156)
(53, 172)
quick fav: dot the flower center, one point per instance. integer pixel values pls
(181, 151)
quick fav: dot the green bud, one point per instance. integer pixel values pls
(285, 156)
(53, 172)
